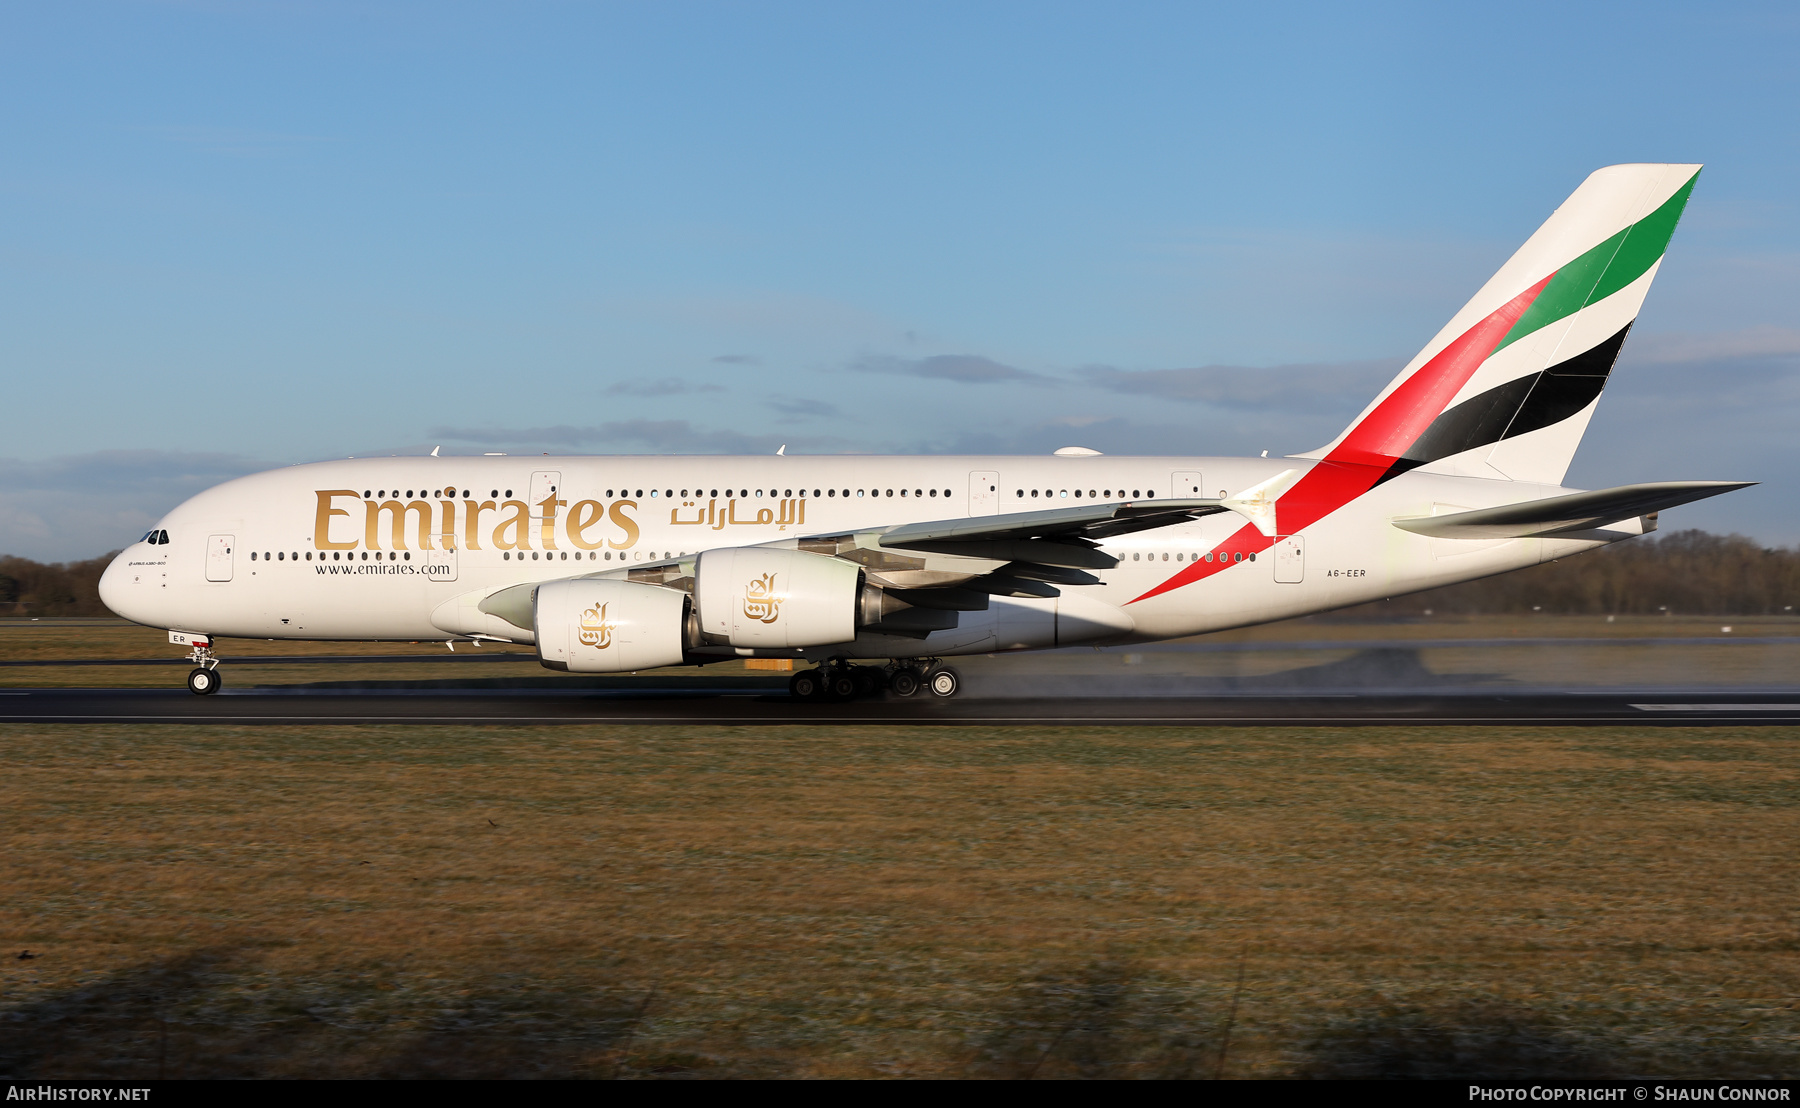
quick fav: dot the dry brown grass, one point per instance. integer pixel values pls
(608, 901)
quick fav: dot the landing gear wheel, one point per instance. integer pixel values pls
(905, 681)
(204, 682)
(839, 685)
(808, 684)
(867, 679)
(944, 682)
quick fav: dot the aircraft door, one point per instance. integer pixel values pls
(545, 483)
(1290, 559)
(1186, 485)
(440, 564)
(984, 492)
(219, 557)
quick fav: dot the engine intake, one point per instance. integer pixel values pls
(590, 625)
(755, 596)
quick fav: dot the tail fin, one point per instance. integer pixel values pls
(1508, 386)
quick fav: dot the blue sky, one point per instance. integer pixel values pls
(239, 235)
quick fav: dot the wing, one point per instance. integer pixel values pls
(923, 574)
(957, 564)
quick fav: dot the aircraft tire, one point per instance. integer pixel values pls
(203, 681)
(868, 680)
(839, 685)
(905, 682)
(808, 684)
(944, 683)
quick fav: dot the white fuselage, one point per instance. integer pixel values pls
(369, 548)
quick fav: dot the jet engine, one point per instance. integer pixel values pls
(589, 625)
(754, 596)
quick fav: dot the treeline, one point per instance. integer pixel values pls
(30, 588)
(1687, 572)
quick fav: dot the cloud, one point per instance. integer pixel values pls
(738, 359)
(666, 386)
(1313, 387)
(1753, 342)
(655, 436)
(801, 406)
(968, 369)
(1751, 373)
(82, 505)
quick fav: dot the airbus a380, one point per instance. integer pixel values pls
(622, 564)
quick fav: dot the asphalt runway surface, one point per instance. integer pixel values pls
(765, 703)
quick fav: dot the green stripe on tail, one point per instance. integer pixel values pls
(1605, 269)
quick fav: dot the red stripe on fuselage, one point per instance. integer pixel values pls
(1373, 445)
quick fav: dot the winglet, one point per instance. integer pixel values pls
(782, 453)
(434, 451)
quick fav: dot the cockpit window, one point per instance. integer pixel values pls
(162, 537)
(149, 536)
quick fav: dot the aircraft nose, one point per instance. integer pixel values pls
(129, 590)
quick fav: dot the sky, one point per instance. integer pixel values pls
(235, 236)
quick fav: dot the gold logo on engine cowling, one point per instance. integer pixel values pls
(596, 629)
(761, 601)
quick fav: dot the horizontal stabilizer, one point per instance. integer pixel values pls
(1560, 514)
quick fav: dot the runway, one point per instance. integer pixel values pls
(738, 703)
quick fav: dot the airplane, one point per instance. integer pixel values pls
(614, 564)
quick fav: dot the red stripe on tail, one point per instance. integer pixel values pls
(1374, 444)
(1384, 434)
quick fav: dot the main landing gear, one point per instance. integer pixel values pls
(205, 678)
(838, 681)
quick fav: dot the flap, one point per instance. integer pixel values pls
(1058, 537)
(1574, 512)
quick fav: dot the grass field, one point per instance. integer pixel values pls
(605, 901)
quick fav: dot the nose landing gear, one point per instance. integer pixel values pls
(205, 678)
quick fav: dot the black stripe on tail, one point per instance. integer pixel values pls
(1523, 404)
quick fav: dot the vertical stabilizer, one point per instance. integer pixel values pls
(1508, 386)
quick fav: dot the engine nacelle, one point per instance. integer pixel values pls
(601, 626)
(759, 597)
